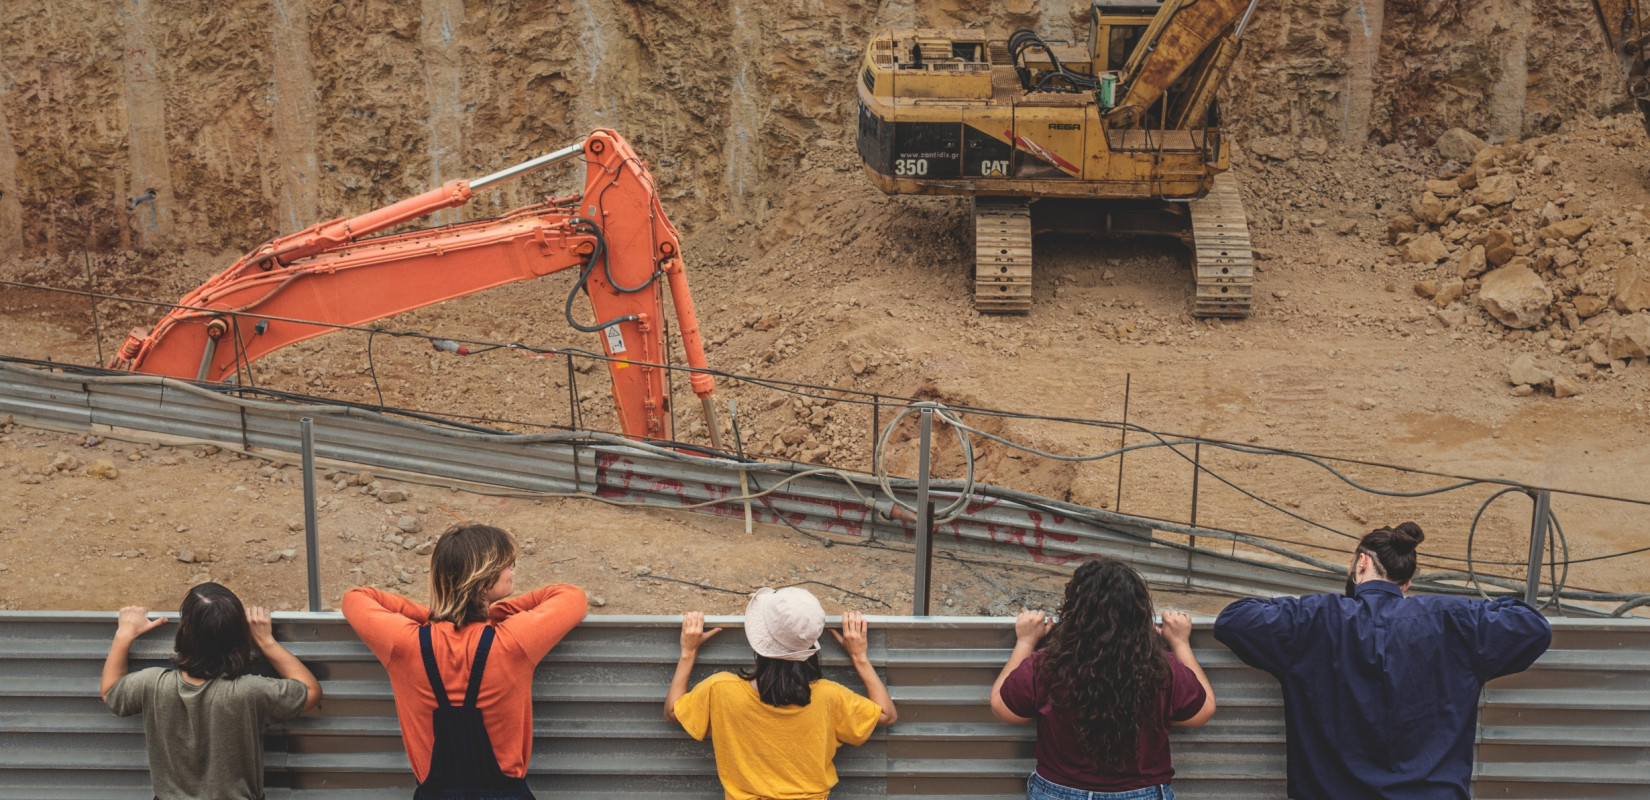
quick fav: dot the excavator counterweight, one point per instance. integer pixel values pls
(307, 284)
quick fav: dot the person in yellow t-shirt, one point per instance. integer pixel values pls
(776, 727)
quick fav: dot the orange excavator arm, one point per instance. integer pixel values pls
(328, 275)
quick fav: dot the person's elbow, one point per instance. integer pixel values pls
(890, 715)
(1000, 710)
(670, 711)
(312, 695)
(1202, 716)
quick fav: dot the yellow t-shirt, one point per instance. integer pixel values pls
(768, 752)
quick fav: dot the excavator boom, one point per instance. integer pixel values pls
(306, 284)
(1181, 35)
(1628, 34)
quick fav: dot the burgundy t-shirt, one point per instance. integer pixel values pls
(1061, 750)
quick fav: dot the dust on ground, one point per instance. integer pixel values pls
(843, 287)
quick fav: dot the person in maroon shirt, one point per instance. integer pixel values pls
(1104, 690)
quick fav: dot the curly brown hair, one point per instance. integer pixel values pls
(1106, 662)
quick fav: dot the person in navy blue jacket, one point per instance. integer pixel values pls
(1380, 691)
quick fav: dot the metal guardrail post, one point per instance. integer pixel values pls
(1197, 469)
(925, 523)
(1538, 542)
(1123, 440)
(312, 555)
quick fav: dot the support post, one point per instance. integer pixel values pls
(925, 523)
(744, 477)
(1538, 542)
(1197, 469)
(1122, 441)
(876, 429)
(312, 555)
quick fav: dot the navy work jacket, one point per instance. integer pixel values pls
(1380, 691)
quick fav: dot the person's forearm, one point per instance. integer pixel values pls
(1183, 652)
(288, 666)
(679, 683)
(876, 690)
(114, 667)
(1022, 651)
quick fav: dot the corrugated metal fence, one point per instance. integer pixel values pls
(1577, 725)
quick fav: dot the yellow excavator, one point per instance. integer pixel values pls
(1120, 138)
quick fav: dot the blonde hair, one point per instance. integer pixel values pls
(467, 561)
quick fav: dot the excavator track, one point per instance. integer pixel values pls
(1224, 262)
(1002, 255)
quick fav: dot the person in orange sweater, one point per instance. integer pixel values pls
(462, 669)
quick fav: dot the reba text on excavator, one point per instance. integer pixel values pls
(302, 285)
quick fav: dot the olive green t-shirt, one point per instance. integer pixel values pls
(206, 742)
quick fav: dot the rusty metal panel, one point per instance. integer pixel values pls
(1577, 725)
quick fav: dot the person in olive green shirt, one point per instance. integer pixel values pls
(204, 720)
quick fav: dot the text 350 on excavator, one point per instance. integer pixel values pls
(296, 287)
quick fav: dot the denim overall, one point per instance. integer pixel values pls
(462, 763)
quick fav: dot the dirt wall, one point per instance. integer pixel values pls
(171, 126)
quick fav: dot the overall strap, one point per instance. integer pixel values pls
(479, 667)
(430, 669)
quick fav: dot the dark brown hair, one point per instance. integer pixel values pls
(784, 683)
(1105, 661)
(214, 639)
(1394, 548)
(467, 561)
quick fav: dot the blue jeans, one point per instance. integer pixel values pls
(1041, 788)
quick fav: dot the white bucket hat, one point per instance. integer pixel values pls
(785, 623)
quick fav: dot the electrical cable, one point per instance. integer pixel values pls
(1161, 439)
(796, 471)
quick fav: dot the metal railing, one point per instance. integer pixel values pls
(614, 469)
(867, 508)
(1576, 725)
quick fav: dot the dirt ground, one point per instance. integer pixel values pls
(844, 287)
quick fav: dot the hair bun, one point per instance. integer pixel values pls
(1407, 536)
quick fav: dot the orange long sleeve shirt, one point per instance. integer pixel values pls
(527, 627)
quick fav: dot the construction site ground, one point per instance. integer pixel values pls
(843, 287)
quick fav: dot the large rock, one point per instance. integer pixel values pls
(1587, 305)
(1522, 370)
(1632, 286)
(1398, 226)
(1449, 291)
(1515, 296)
(1498, 248)
(1460, 145)
(1275, 148)
(1629, 337)
(1567, 230)
(1473, 264)
(1473, 214)
(1496, 190)
(1442, 188)
(1428, 249)
(1428, 208)
(1564, 386)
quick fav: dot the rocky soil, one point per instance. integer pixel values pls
(804, 272)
